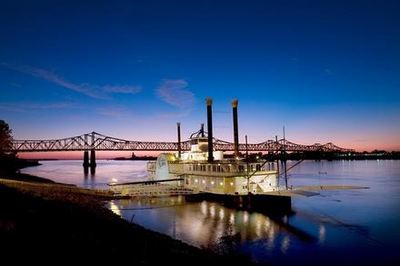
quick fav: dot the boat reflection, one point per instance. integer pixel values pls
(209, 224)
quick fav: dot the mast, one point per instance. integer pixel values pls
(178, 127)
(247, 167)
(210, 130)
(235, 127)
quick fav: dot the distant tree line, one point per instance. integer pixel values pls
(320, 155)
(5, 138)
(9, 162)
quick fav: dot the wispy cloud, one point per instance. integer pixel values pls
(29, 106)
(172, 115)
(114, 112)
(122, 89)
(328, 71)
(175, 93)
(14, 84)
(90, 90)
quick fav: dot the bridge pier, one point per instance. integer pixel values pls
(86, 159)
(92, 158)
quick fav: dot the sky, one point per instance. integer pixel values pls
(329, 71)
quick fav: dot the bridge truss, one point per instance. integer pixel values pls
(99, 142)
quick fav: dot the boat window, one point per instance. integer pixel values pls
(241, 168)
(258, 167)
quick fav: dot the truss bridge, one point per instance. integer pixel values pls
(100, 142)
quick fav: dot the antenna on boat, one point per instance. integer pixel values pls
(284, 138)
(235, 127)
(277, 155)
(178, 127)
(284, 157)
(210, 130)
(247, 166)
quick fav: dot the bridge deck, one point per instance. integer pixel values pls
(99, 142)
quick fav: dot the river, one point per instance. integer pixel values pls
(359, 226)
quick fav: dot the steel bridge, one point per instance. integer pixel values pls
(99, 142)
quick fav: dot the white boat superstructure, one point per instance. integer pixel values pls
(205, 170)
(222, 176)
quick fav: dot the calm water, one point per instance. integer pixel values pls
(343, 226)
(107, 171)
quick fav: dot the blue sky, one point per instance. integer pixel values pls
(327, 70)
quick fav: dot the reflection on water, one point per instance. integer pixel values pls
(202, 224)
(334, 227)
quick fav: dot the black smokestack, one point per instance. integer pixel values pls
(209, 129)
(235, 127)
(178, 126)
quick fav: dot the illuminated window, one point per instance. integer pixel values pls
(196, 180)
(204, 181)
(220, 183)
(231, 183)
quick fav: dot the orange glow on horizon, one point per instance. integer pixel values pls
(78, 155)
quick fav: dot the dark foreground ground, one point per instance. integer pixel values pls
(54, 223)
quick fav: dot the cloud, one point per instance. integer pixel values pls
(90, 90)
(122, 89)
(175, 93)
(14, 84)
(29, 106)
(114, 112)
(172, 115)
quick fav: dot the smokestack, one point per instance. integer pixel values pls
(235, 127)
(209, 129)
(178, 126)
(202, 130)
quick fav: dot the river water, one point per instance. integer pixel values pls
(359, 226)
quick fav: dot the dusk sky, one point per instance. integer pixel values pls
(329, 71)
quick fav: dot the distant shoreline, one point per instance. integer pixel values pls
(145, 158)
